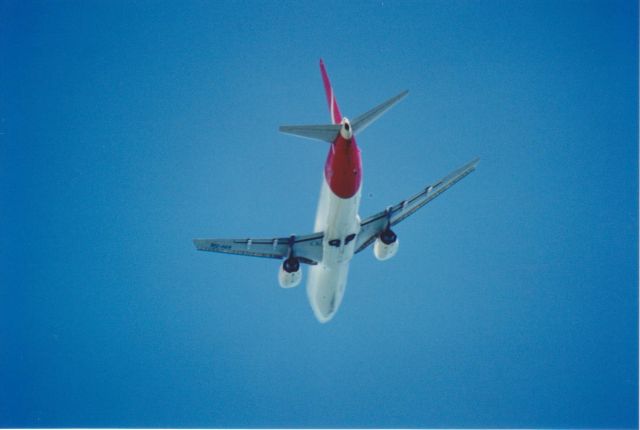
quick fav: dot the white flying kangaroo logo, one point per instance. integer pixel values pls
(333, 115)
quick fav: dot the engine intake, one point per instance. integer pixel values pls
(386, 245)
(388, 237)
(290, 274)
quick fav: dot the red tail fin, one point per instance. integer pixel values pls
(331, 100)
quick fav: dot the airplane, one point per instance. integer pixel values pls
(339, 232)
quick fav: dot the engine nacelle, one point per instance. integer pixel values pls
(386, 245)
(290, 274)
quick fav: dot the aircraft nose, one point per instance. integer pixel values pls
(323, 317)
(325, 307)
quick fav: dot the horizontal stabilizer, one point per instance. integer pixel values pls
(363, 121)
(329, 132)
(326, 133)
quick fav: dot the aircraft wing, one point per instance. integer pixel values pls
(308, 248)
(372, 226)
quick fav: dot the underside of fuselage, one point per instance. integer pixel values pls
(325, 289)
(337, 216)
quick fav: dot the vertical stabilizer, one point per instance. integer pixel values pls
(334, 111)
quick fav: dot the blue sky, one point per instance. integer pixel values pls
(128, 128)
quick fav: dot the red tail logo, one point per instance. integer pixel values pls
(331, 99)
(343, 169)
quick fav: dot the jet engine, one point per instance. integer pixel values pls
(290, 274)
(386, 245)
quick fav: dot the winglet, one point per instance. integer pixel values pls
(334, 111)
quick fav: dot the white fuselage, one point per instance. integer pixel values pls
(338, 218)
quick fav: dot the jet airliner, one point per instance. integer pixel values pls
(339, 232)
